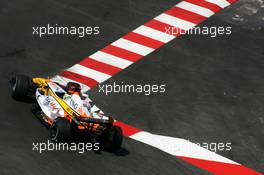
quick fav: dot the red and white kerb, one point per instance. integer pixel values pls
(188, 151)
(145, 39)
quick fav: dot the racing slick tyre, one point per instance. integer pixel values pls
(114, 139)
(60, 130)
(21, 85)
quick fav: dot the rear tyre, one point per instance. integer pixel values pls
(60, 130)
(21, 85)
(114, 139)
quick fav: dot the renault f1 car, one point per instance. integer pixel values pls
(65, 113)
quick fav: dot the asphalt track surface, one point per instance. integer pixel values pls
(214, 87)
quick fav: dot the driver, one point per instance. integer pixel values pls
(73, 95)
(73, 88)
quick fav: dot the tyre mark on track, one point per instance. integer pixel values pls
(12, 53)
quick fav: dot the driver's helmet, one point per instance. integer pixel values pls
(73, 88)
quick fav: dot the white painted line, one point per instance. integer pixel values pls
(176, 22)
(87, 72)
(110, 59)
(179, 147)
(154, 34)
(195, 9)
(133, 47)
(220, 3)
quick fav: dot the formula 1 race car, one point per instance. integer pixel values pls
(66, 111)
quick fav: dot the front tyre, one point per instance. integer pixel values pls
(21, 85)
(60, 130)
